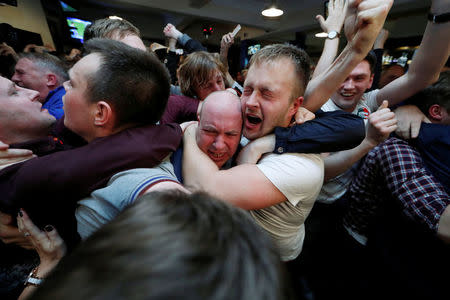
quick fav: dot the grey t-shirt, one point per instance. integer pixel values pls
(121, 191)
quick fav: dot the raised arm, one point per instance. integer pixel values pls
(427, 62)
(334, 22)
(225, 44)
(172, 60)
(189, 45)
(363, 22)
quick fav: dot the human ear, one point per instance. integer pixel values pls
(435, 112)
(103, 114)
(296, 103)
(51, 80)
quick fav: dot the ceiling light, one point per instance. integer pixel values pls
(272, 11)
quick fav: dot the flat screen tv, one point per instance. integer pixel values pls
(77, 27)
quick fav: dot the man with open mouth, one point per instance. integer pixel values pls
(279, 191)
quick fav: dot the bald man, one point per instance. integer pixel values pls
(220, 126)
(218, 132)
(218, 135)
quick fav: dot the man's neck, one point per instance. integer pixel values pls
(17, 138)
(350, 109)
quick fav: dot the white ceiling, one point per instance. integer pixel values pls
(406, 18)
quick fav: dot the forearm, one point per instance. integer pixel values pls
(329, 53)
(172, 44)
(244, 186)
(426, 65)
(433, 52)
(329, 132)
(224, 56)
(198, 169)
(340, 162)
(65, 172)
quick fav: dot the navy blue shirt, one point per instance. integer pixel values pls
(433, 144)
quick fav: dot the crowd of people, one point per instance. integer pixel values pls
(130, 174)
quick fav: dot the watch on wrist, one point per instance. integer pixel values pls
(442, 18)
(332, 34)
(32, 279)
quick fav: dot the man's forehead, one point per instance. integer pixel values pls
(88, 64)
(362, 67)
(24, 63)
(270, 82)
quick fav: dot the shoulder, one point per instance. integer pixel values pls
(297, 176)
(369, 99)
(329, 106)
(126, 186)
(293, 167)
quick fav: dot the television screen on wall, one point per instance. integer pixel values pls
(77, 27)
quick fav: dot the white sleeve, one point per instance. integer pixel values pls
(298, 176)
(370, 98)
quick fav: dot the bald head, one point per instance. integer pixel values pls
(224, 101)
(220, 126)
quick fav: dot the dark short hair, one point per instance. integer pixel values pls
(371, 58)
(134, 82)
(437, 93)
(47, 62)
(107, 28)
(299, 58)
(172, 245)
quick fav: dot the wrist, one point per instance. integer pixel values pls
(333, 34)
(34, 279)
(338, 30)
(45, 268)
(369, 143)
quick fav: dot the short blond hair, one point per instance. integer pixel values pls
(299, 58)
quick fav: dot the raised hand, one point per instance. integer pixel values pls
(227, 41)
(337, 10)
(363, 22)
(381, 124)
(171, 31)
